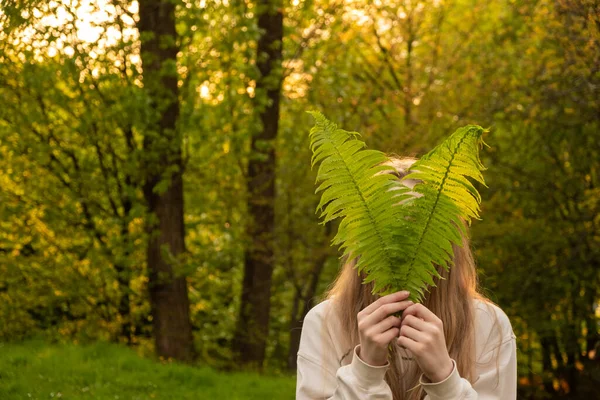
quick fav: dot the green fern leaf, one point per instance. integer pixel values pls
(397, 238)
(434, 220)
(355, 189)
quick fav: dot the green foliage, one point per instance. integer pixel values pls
(397, 238)
(105, 371)
(527, 68)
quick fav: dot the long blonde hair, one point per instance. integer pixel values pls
(451, 300)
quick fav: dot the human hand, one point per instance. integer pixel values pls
(377, 328)
(422, 332)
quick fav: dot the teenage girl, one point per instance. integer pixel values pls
(455, 345)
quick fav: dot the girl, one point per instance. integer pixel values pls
(456, 345)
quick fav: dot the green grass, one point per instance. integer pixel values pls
(35, 370)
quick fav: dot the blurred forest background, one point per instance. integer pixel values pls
(186, 119)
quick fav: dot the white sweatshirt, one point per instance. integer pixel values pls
(326, 370)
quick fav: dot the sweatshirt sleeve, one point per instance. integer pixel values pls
(497, 370)
(319, 375)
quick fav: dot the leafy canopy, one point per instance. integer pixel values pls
(397, 237)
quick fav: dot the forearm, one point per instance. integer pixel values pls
(496, 378)
(355, 381)
(454, 387)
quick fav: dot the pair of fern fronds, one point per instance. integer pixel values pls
(397, 237)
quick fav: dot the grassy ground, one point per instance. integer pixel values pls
(34, 370)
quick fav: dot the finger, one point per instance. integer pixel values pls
(389, 322)
(417, 323)
(385, 310)
(390, 298)
(411, 333)
(389, 335)
(408, 343)
(420, 311)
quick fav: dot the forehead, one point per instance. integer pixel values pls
(410, 182)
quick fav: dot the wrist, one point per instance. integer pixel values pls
(367, 376)
(369, 361)
(441, 373)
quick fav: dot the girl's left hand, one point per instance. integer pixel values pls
(422, 332)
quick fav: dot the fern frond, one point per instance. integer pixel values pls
(398, 243)
(356, 189)
(434, 220)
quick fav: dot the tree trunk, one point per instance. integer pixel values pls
(408, 95)
(124, 306)
(162, 147)
(547, 368)
(303, 303)
(123, 271)
(253, 323)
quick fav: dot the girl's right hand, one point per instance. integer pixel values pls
(377, 328)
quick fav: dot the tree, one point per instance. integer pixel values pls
(163, 185)
(76, 139)
(253, 322)
(542, 234)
